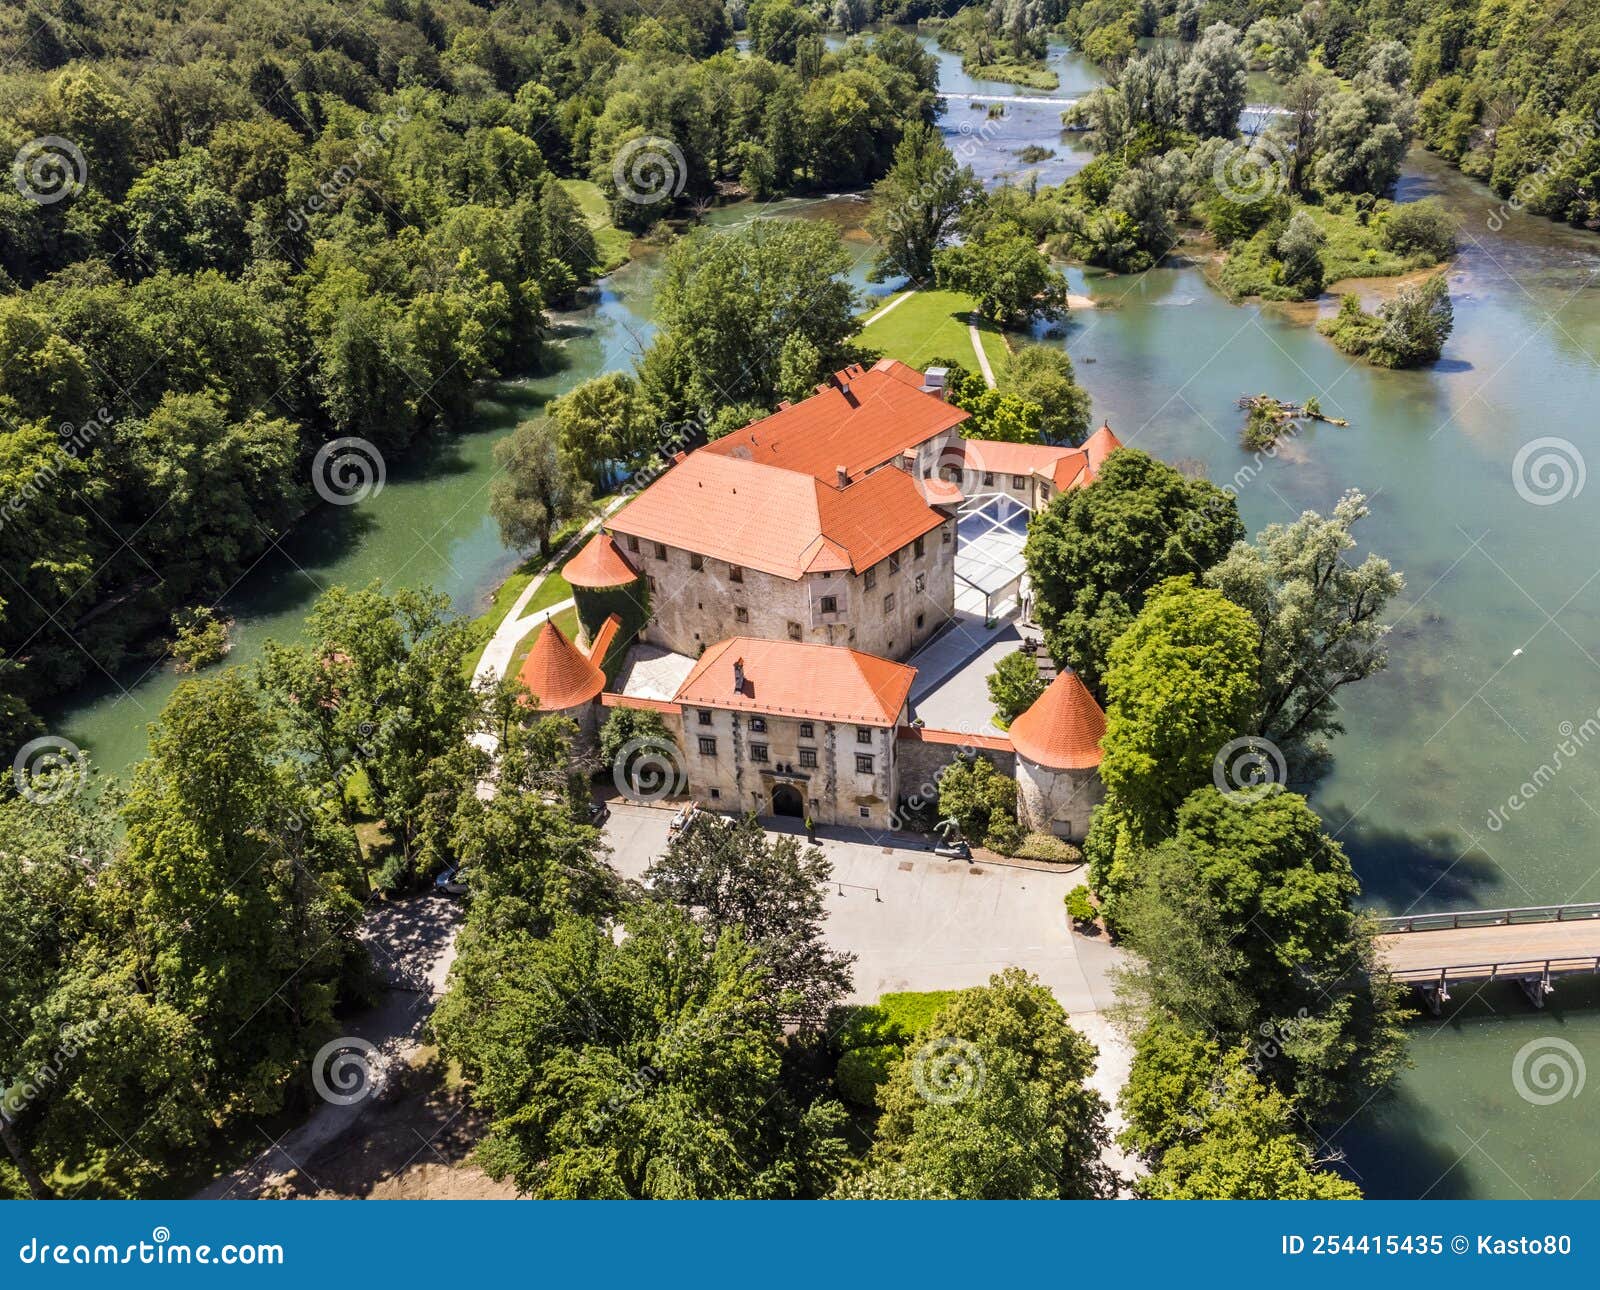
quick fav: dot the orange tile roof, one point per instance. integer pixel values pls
(954, 738)
(1016, 458)
(797, 679)
(611, 699)
(1100, 445)
(778, 521)
(599, 564)
(865, 418)
(603, 638)
(557, 672)
(1063, 728)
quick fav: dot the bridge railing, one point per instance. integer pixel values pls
(1487, 918)
(1585, 965)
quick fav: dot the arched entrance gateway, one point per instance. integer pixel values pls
(786, 800)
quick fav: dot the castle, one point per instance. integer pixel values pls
(776, 584)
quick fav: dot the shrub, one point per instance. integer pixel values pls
(976, 795)
(1048, 847)
(1422, 229)
(1079, 907)
(1004, 835)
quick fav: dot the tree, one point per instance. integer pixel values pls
(1244, 926)
(540, 487)
(1299, 249)
(1317, 620)
(1014, 685)
(991, 1104)
(1094, 552)
(1407, 331)
(1211, 84)
(1003, 268)
(1043, 374)
(776, 28)
(239, 888)
(916, 205)
(604, 425)
(1362, 136)
(1211, 1129)
(1180, 683)
(736, 307)
(527, 856)
(381, 687)
(644, 1066)
(181, 218)
(1423, 228)
(730, 876)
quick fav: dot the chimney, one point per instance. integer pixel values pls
(843, 474)
(738, 676)
(933, 381)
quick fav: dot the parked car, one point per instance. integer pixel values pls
(452, 882)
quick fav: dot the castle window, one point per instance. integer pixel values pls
(894, 563)
(758, 752)
(633, 543)
(705, 717)
(863, 763)
(919, 622)
(708, 745)
(988, 479)
(651, 579)
(806, 730)
(918, 548)
(741, 614)
(944, 536)
(808, 757)
(661, 551)
(830, 604)
(870, 579)
(922, 582)
(1019, 481)
(794, 631)
(888, 603)
(865, 813)
(863, 734)
(758, 725)
(735, 573)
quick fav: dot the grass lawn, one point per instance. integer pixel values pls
(612, 241)
(933, 324)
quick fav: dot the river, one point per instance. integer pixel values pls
(1496, 640)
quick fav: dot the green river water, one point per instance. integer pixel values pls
(1496, 640)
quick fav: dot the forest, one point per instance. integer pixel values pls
(240, 232)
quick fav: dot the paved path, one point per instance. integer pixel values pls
(893, 304)
(977, 348)
(413, 943)
(916, 921)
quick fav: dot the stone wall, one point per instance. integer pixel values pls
(877, 611)
(1057, 801)
(921, 762)
(749, 762)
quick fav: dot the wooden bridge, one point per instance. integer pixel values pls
(1531, 946)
